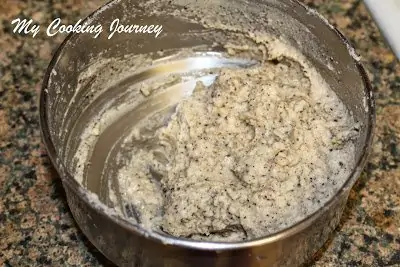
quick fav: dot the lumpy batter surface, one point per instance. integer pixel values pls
(257, 151)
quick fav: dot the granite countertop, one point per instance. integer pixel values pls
(36, 227)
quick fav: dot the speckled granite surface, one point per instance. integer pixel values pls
(36, 228)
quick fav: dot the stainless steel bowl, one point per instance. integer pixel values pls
(65, 112)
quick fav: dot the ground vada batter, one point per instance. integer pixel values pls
(256, 152)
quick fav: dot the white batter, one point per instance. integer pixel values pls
(256, 152)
